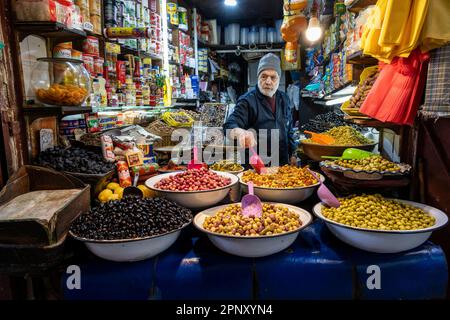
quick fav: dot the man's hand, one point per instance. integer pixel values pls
(245, 138)
(293, 161)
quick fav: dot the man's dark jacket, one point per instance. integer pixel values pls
(253, 111)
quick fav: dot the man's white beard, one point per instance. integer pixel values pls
(269, 93)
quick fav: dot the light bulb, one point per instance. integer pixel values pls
(314, 31)
(230, 3)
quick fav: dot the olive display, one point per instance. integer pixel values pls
(227, 165)
(345, 136)
(275, 219)
(131, 218)
(285, 177)
(376, 212)
(373, 163)
(75, 160)
(326, 121)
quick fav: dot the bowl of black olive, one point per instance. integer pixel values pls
(131, 229)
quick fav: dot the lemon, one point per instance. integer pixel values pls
(105, 195)
(112, 186)
(119, 192)
(146, 191)
(114, 197)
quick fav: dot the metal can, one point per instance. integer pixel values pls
(124, 174)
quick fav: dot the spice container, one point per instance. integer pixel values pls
(91, 46)
(98, 65)
(88, 61)
(63, 50)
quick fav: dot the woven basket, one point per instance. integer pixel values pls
(165, 136)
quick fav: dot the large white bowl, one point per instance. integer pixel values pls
(256, 246)
(193, 199)
(282, 195)
(133, 249)
(388, 241)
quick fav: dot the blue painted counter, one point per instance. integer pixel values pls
(316, 266)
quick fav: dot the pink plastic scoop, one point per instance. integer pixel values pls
(256, 162)
(194, 164)
(324, 194)
(251, 205)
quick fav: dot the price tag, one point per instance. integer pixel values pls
(88, 26)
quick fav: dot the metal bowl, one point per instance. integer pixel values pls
(193, 199)
(131, 249)
(316, 151)
(282, 195)
(389, 241)
(252, 247)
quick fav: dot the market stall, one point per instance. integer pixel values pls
(130, 177)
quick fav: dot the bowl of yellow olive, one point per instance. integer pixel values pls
(371, 168)
(227, 166)
(286, 184)
(344, 137)
(382, 225)
(274, 231)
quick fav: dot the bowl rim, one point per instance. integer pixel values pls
(217, 208)
(86, 240)
(317, 210)
(233, 172)
(160, 170)
(322, 177)
(373, 144)
(329, 164)
(191, 192)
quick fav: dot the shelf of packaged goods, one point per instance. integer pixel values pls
(47, 30)
(359, 5)
(359, 58)
(129, 50)
(133, 108)
(329, 94)
(241, 47)
(55, 110)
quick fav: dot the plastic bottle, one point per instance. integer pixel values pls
(290, 53)
(102, 91)
(95, 95)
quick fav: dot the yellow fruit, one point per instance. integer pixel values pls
(105, 195)
(114, 197)
(119, 192)
(112, 186)
(146, 191)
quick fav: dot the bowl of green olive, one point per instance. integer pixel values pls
(249, 236)
(382, 225)
(370, 168)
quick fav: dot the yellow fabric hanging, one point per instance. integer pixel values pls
(436, 29)
(394, 22)
(396, 28)
(372, 30)
(413, 29)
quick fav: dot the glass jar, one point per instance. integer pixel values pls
(60, 81)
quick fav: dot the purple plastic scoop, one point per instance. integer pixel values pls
(324, 194)
(251, 205)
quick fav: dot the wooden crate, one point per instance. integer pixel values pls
(33, 222)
